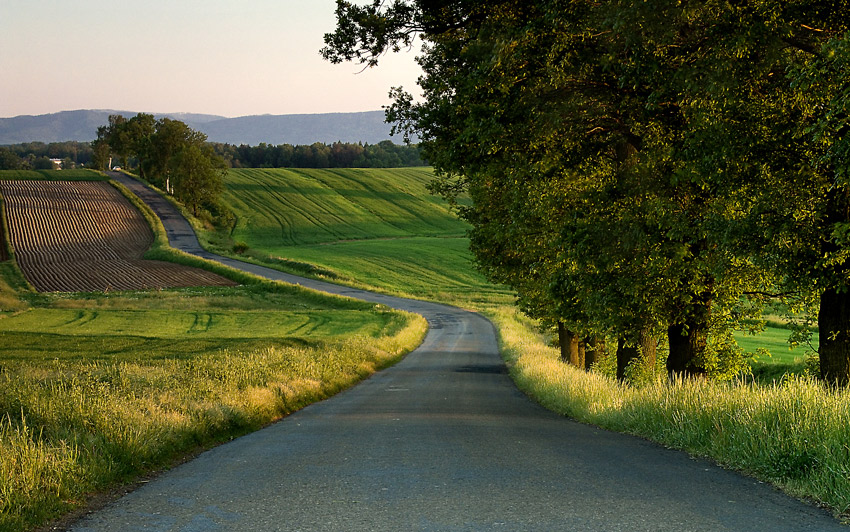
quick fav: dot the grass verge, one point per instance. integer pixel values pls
(792, 433)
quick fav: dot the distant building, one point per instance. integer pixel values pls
(57, 164)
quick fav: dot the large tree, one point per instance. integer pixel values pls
(562, 120)
(777, 123)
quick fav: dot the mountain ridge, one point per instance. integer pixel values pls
(81, 125)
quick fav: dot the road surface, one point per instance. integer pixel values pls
(442, 441)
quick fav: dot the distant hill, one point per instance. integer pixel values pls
(368, 127)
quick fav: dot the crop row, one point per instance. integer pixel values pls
(82, 236)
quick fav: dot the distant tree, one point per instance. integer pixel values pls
(169, 139)
(42, 163)
(140, 130)
(118, 138)
(9, 160)
(100, 154)
(171, 155)
(198, 176)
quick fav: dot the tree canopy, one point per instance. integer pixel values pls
(170, 155)
(637, 169)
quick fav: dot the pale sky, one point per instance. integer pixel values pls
(222, 57)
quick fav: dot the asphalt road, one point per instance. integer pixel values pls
(443, 441)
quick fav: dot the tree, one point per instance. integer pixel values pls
(562, 122)
(198, 176)
(170, 154)
(779, 123)
(140, 130)
(100, 153)
(41, 163)
(117, 137)
(8, 159)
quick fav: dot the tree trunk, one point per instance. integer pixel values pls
(687, 342)
(570, 348)
(628, 350)
(834, 329)
(594, 351)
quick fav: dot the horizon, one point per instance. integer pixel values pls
(211, 57)
(174, 113)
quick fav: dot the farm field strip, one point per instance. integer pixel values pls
(308, 206)
(83, 236)
(206, 323)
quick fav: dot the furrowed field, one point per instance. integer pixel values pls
(99, 387)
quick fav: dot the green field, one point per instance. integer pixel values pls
(280, 207)
(53, 175)
(371, 228)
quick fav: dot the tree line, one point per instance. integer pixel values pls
(650, 172)
(384, 154)
(37, 155)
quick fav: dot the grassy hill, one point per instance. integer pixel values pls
(373, 228)
(279, 208)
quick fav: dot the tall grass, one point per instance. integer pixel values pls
(794, 433)
(75, 427)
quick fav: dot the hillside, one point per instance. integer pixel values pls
(372, 227)
(368, 127)
(286, 207)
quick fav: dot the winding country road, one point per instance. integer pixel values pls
(442, 441)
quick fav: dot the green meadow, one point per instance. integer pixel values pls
(276, 208)
(371, 228)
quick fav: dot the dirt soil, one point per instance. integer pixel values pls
(80, 236)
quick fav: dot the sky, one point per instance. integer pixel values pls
(222, 57)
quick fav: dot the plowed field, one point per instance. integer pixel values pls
(76, 236)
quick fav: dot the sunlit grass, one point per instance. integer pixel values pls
(72, 427)
(793, 433)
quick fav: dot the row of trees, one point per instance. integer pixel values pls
(169, 154)
(37, 155)
(638, 170)
(384, 154)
